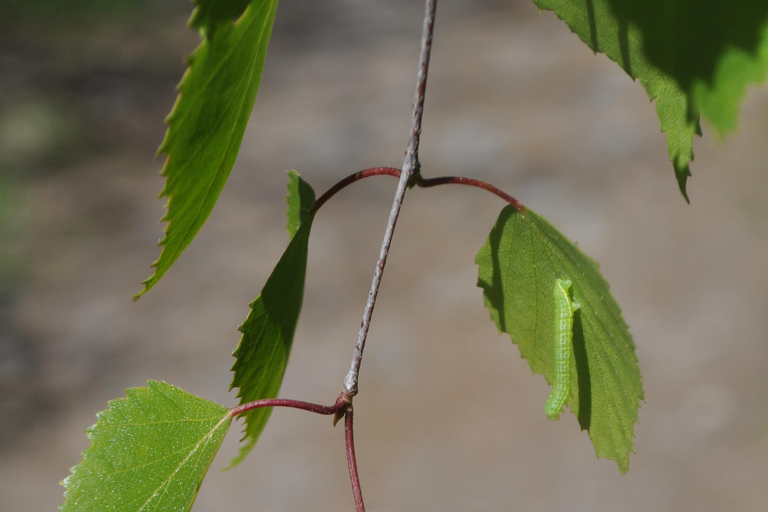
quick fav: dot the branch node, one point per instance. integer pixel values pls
(343, 405)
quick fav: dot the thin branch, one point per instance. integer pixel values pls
(460, 180)
(349, 440)
(410, 168)
(367, 173)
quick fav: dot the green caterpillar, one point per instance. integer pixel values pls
(564, 309)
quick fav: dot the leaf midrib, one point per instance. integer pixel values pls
(170, 477)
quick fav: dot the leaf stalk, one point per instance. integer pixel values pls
(341, 404)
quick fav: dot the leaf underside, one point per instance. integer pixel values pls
(691, 56)
(206, 125)
(262, 355)
(149, 451)
(518, 266)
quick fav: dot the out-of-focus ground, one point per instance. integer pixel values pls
(449, 416)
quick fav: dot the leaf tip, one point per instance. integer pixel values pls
(683, 172)
(150, 281)
(142, 292)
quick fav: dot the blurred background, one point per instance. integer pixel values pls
(448, 416)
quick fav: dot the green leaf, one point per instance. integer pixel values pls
(691, 56)
(206, 126)
(300, 199)
(149, 451)
(596, 23)
(262, 355)
(518, 266)
(713, 49)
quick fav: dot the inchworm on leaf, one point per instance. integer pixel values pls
(564, 309)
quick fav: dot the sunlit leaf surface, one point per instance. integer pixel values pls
(518, 266)
(206, 126)
(149, 452)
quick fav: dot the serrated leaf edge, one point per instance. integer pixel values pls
(91, 432)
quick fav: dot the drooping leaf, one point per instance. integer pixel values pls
(262, 355)
(714, 49)
(149, 451)
(206, 126)
(595, 22)
(691, 56)
(518, 266)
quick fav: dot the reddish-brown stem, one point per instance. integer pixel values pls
(341, 403)
(352, 461)
(367, 173)
(460, 180)
(421, 182)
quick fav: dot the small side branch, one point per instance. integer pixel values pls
(410, 168)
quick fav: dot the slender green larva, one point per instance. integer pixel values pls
(564, 309)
